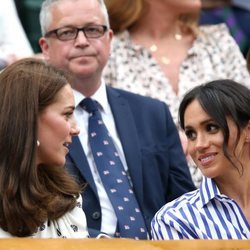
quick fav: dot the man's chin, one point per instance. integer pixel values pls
(81, 70)
(82, 59)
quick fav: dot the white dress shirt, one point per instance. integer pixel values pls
(109, 219)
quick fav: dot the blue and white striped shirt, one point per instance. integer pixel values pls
(201, 214)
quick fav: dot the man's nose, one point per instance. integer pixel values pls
(81, 38)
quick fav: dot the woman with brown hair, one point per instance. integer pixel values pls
(160, 51)
(37, 196)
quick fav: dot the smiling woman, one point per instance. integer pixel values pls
(37, 197)
(219, 143)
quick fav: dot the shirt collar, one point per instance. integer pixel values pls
(100, 96)
(208, 190)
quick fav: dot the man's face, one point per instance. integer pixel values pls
(84, 57)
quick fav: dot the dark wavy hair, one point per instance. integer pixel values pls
(29, 194)
(221, 99)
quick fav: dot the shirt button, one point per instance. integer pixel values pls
(96, 215)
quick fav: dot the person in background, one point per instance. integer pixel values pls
(38, 198)
(216, 120)
(13, 40)
(160, 51)
(145, 153)
(234, 13)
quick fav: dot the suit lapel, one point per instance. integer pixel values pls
(127, 132)
(78, 155)
(126, 129)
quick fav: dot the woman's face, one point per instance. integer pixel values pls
(56, 126)
(205, 142)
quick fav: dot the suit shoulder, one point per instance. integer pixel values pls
(137, 97)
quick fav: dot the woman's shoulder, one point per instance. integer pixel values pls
(182, 203)
(218, 40)
(218, 28)
(71, 225)
(214, 33)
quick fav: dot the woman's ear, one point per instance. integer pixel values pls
(247, 139)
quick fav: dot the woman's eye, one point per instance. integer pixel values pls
(213, 128)
(191, 135)
(68, 115)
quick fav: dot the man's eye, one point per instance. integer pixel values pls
(66, 32)
(92, 30)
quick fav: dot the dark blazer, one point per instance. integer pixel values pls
(153, 152)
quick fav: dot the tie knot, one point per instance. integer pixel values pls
(89, 105)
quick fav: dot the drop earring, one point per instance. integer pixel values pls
(38, 143)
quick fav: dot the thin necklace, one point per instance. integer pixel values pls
(164, 59)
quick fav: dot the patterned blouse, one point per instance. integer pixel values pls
(71, 225)
(214, 55)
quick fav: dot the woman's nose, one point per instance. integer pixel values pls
(201, 142)
(75, 130)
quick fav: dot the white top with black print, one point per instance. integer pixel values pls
(214, 55)
(71, 225)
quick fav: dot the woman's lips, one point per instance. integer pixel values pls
(206, 159)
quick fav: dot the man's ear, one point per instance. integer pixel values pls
(111, 34)
(44, 47)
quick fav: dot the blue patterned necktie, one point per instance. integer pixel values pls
(114, 178)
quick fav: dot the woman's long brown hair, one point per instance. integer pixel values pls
(29, 194)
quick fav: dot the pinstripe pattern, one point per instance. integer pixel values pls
(202, 214)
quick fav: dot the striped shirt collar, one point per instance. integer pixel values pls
(208, 191)
(201, 214)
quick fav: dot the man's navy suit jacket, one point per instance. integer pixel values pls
(153, 153)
